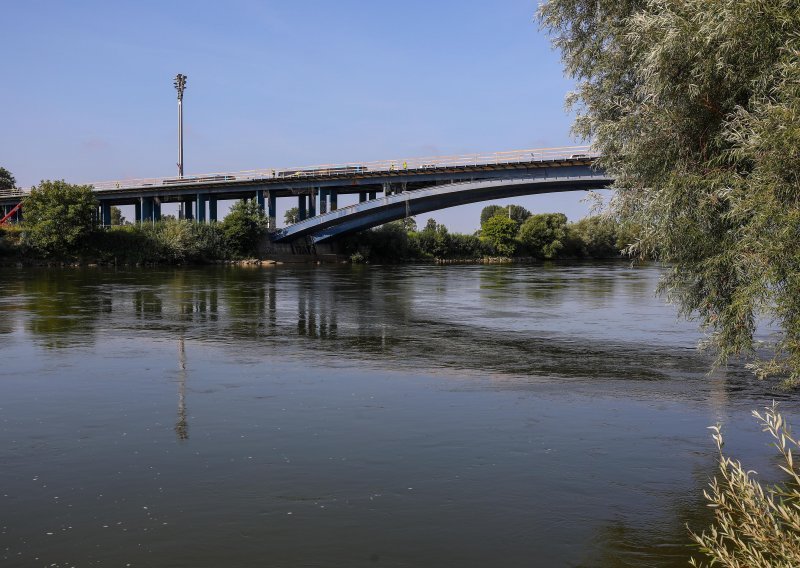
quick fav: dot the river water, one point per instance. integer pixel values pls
(419, 416)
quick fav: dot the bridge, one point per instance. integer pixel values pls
(387, 190)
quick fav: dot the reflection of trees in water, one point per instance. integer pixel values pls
(63, 306)
(182, 425)
(353, 312)
(659, 543)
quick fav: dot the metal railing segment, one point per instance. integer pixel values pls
(396, 166)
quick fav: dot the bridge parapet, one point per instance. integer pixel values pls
(354, 169)
(13, 192)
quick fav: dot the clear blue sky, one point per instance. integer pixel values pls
(87, 87)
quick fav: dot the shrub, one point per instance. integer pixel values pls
(58, 217)
(595, 237)
(499, 232)
(544, 235)
(754, 527)
(244, 227)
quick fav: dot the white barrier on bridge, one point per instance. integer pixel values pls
(355, 168)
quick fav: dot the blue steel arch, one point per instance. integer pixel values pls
(400, 205)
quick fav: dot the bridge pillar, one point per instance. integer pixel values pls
(147, 209)
(260, 198)
(138, 214)
(200, 200)
(323, 201)
(312, 203)
(373, 194)
(105, 214)
(362, 197)
(333, 196)
(156, 209)
(271, 210)
(187, 210)
(212, 209)
(301, 207)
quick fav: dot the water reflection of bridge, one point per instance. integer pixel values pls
(338, 312)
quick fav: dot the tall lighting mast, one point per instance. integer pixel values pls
(180, 85)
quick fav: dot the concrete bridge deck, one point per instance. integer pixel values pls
(317, 188)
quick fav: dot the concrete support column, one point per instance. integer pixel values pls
(312, 203)
(333, 196)
(260, 198)
(373, 194)
(200, 200)
(138, 207)
(272, 213)
(156, 209)
(187, 210)
(105, 214)
(362, 197)
(323, 201)
(301, 207)
(212, 209)
(147, 209)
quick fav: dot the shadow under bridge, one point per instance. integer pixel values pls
(375, 212)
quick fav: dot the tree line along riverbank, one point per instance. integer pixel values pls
(60, 226)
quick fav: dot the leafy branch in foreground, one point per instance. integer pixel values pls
(754, 527)
(694, 106)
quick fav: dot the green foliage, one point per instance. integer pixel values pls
(515, 212)
(10, 240)
(500, 232)
(7, 180)
(58, 218)
(116, 216)
(244, 227)
(434, 240)
(754, 526)
(694, 105)
(291, 216)
(544, 235)
(594, 237)
(490, 211)
(166, 241)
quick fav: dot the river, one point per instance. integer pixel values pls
(415, 416)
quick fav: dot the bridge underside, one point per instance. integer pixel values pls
(388, 208)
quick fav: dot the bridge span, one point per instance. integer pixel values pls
(406, 187)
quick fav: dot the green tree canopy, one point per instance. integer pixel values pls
(434, 239)
(490, 211)
(117, 218)
(58, 217)
(291, 216)
(244, 226)
(694, 106)
(595, 236)
(545, 234)
(7, 180)
(500, 232)
(515, 212)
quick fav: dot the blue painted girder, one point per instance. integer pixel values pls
(398, 206)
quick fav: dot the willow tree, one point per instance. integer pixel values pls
(695, 107)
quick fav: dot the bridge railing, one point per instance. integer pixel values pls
(13, 192)
(399, 166)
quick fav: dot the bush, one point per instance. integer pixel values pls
(499, 232)
(244, 227)
(10, 240)
(171, 241)
(594, 237)
(544, 235)
(754, 527)
(58, 218)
